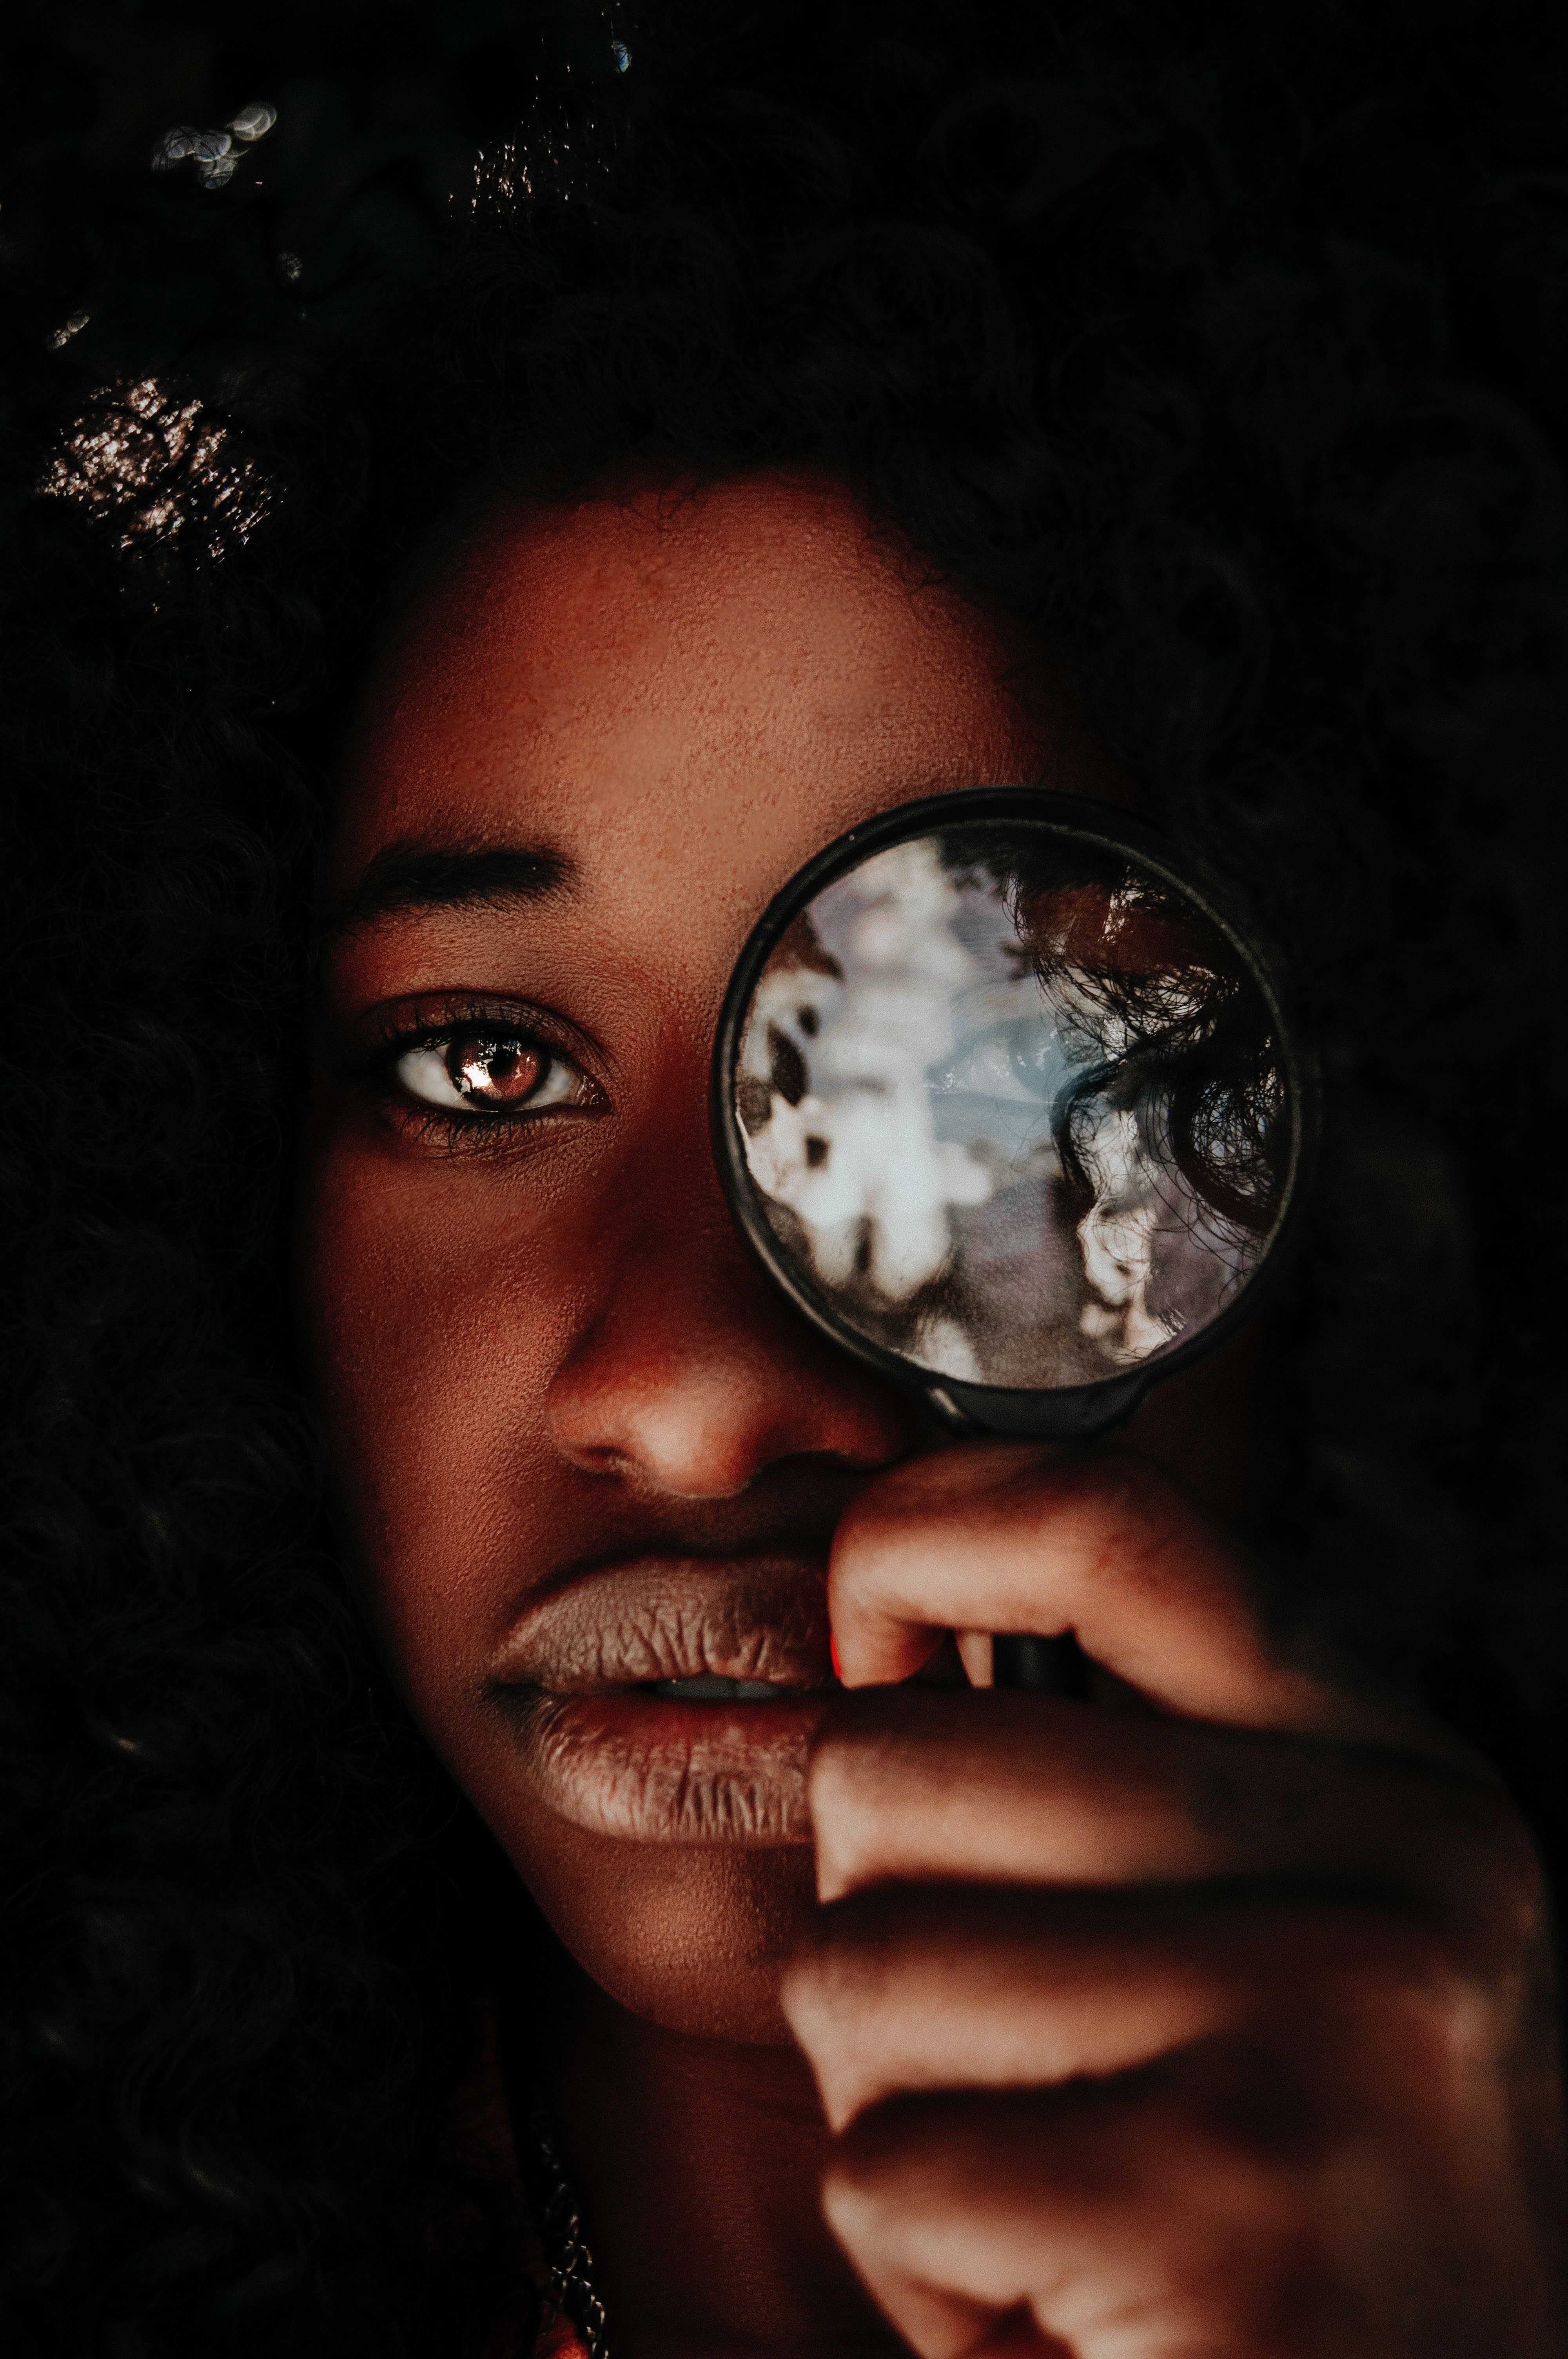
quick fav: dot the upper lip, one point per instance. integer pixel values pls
(648, 1618)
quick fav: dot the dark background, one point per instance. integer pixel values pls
(88, 90)
(381, 110)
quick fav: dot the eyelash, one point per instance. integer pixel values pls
(483, 1129)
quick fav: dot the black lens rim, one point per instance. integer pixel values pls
(1072, 1412)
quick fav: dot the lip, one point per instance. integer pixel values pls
(574, 1681)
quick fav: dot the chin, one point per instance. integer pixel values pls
(691, 1937)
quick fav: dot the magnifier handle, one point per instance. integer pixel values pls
(1057, 1667)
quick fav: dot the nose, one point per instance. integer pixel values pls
(694, 1374)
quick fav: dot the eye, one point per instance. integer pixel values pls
(1020, 1062)
(477, 1073)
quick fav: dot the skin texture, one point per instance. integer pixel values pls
(1212, 2015)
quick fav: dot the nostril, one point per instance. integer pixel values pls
(603, 1459)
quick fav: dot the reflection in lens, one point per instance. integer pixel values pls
(1011, 1104)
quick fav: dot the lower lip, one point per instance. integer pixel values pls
(649, 1768)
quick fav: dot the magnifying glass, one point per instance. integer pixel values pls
(1008, 1109)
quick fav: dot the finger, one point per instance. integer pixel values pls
(976, 1654)
(1011, 1535)
(907, 1784)
(1018, 2223)
(929, 1987)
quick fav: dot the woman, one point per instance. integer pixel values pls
(871, 424)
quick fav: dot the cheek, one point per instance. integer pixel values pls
(434, 1309)
(435, 1303)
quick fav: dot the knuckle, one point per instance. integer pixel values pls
(807, 2002)
(901, 1495)
(860, 2206)
(868, 1782)
(846, 1795)
(834, 1779)
(862, 1742)
(1414, 1992)
(841, 1965)
(1518, 1905)
(1112, 1480)
(880, 2161)
(857, 2197)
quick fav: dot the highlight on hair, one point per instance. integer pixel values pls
(1221, 348)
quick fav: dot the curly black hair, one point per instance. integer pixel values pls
(1227, 346)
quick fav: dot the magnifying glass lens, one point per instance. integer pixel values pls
(1007, 1105)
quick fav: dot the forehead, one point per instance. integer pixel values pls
(659, 685)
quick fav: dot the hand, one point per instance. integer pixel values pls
(1216, 2018)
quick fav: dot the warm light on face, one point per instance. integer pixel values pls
(588, 1463)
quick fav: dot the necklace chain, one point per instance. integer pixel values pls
(571, 2287)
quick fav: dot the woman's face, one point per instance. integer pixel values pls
(580, 1447)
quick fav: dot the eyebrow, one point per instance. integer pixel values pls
(413, 877)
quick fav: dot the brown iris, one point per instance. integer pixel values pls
(494, 1072)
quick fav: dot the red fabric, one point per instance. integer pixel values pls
(561, 2341)
(507, 2339)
